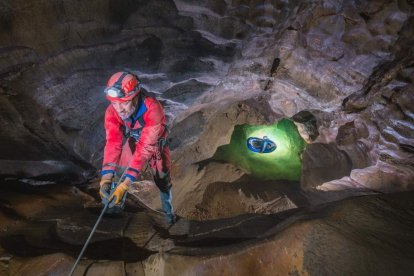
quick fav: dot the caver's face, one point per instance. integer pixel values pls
(124, 109)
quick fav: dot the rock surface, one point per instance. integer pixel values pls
(346, 236)
(350, 237)
(343, 71)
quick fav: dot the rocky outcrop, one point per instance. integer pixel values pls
(341, 70)
(332, 240)
(52, 80)
(297, 58)
(346, 236)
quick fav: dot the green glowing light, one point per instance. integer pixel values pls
(283, 163)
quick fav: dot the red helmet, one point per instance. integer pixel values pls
(122, 87)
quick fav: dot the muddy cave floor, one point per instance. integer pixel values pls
(46, 226)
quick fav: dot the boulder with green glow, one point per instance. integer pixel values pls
(283, 163)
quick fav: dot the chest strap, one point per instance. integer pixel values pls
(138, 117)
(135, 133)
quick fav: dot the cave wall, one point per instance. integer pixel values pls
(342, 70)
(56, 57)
(348, 63)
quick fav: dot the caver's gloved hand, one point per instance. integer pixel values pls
(105, 187)
(118, 193)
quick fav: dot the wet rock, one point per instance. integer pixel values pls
(76, 229)
(348, 134)
(310, 123)
(355, 35)
(186, 91)
(351, 138)
(194, 181)
(212, 44)
(404, 100)
(15, 59)
(384, 177)
(24, 136)
(53, 264)
(352, 230)
(359, 154)
(221, 200)
(207, 18)
(135, 269)
(325, 45)
(105, 268)
(179, 69)
(55, 220)
(342, 184)
(322, 163)
(49, 171)
(186, 131)
(26, 201)
(222, 118)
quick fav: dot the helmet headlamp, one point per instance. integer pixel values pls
(116, 91)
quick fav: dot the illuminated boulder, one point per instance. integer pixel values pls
(282, 163)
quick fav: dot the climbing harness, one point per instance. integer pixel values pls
(129, 131)
(135, 133)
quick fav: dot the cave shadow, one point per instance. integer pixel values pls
(117, 249)
(255, 187)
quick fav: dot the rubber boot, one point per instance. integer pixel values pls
(166, 198)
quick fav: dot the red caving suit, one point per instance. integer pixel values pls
(146, 134)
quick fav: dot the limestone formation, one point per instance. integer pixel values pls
(341, 71)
